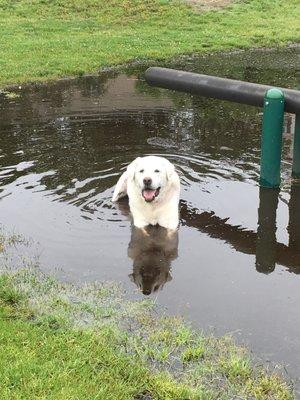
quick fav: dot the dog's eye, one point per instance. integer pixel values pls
(157, 170)
(141, 171)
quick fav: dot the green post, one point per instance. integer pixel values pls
(271, 142)
(296, 155)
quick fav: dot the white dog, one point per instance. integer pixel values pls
(153, 189)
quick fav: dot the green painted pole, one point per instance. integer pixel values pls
(296, 155)
(271, 142)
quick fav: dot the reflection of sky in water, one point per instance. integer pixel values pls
(64, 146)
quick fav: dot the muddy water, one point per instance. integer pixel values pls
(236, 262)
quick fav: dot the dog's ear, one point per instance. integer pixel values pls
(121, 187)
(131, 168)
(170, 170)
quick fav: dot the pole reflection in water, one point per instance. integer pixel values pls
(268, 250)
(294, 221)
(266, 231)
(263, 243)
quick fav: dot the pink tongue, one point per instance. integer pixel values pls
(148, 194)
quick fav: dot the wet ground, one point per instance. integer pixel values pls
(236, 262)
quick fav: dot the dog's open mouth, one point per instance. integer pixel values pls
(150, 194)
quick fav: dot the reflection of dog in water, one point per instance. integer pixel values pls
(152, 250)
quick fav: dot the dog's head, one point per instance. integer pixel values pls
(152, 175)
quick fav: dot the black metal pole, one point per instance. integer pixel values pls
(218, 88)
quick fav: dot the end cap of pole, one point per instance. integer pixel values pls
(274, 93)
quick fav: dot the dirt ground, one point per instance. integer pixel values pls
(202, 5)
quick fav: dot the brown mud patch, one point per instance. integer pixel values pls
(206, 5)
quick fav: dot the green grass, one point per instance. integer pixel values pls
(43, 39)
(58, 341)
(38, 362)
(11, 240)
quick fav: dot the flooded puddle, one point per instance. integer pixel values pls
(235, 264)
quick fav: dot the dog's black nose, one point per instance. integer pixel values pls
(147, 181)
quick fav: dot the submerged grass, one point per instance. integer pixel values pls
(59, 341)
(48, 39)
(12, 239)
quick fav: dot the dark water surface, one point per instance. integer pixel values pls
(63, 147)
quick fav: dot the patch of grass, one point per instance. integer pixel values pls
(38, 362)
(12, 239)
(59, 341)
(192, 354)
(268, 387)
(121, 351)
(9, 294)
(44, 40)
(236, 368)
(10, 95)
